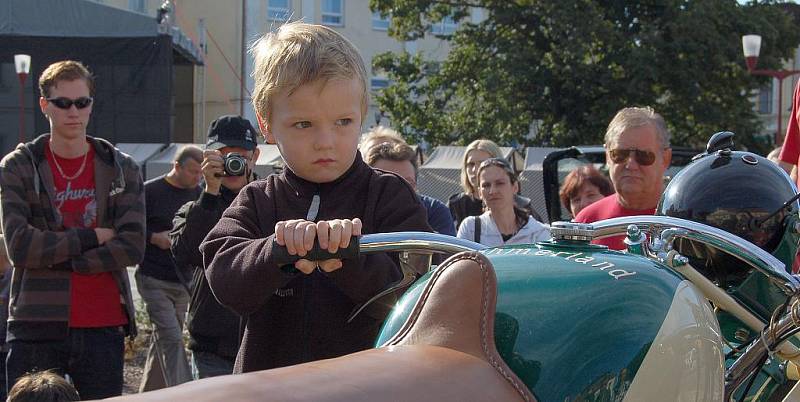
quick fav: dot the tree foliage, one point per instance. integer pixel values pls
(569, 65)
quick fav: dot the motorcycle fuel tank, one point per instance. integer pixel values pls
(579, 322)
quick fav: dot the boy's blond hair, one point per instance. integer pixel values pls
(298, 53)
(42, 386)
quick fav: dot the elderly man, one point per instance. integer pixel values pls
(638, 154)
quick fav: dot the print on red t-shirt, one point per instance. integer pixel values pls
(94, 298)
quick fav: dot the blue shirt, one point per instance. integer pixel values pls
(439, 217)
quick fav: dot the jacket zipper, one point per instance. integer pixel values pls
(308, 284)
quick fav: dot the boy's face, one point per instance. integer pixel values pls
(317, 127)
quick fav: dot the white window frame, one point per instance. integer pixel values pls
(378, 22)
(331, 14)
(444, 27)
(279, 13)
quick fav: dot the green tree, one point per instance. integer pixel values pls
(569, 65)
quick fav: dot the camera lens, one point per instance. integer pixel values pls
(235, 164)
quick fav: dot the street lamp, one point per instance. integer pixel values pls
(751, 45)
(22, 62)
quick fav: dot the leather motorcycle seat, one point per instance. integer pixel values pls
(445, 351)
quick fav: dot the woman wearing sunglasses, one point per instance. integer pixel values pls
(468, 202)
(503, 222)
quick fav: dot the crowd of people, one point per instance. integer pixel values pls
(205, 237)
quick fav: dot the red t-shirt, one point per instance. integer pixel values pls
(790, 151)
(607, 208)
(94, 298)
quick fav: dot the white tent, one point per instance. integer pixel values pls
(141, 153)
(440, 176)
(531, 179)
(269, 160)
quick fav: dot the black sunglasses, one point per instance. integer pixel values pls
(644, 158)
(66, 103)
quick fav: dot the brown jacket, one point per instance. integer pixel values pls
(44, 253)
(291, 317)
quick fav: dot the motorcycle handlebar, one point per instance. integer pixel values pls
(423, 242)
(281, 255)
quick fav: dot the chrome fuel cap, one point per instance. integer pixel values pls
(572, 231)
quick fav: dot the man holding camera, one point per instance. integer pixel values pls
(228, 161)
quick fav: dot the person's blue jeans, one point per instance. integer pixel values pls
(93, 358)
(205, 364)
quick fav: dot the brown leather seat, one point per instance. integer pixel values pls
(444, 352)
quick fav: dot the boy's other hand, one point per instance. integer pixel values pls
(213, 169)
(335, 234)
(297, 235)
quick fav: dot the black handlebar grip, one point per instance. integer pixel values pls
(281, 256)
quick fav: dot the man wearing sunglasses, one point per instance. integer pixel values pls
(637, 153)
(73, 219)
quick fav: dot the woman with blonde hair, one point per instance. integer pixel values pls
(468, 202)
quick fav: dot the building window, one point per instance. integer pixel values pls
(444, 27)
(332, 12)
(137, 6)
(379, 23)
(378, 83)
(765, 99)
(278, 10)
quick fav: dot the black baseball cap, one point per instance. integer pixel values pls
(231, 131)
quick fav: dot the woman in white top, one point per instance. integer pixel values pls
(503, 223)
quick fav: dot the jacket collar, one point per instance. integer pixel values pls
(103, 149)
(304, 188)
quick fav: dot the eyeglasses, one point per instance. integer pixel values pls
(66, 103)
(644, 158)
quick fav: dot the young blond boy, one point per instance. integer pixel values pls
(310, 98)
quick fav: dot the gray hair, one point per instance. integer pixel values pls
(632, 117)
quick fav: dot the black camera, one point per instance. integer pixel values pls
(235, 164)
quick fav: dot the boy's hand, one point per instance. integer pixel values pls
(335, 234)
(298, 237)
